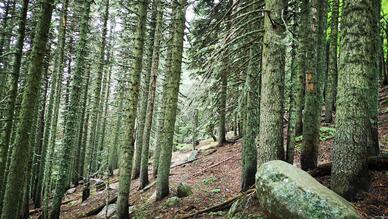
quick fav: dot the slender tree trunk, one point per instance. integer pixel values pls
(162, 185)
(70, 132)
(160, 125)
(16, 177)
(249, 154)
(126, 150)
(96, 114)
(332, 73)
(145, 86)
(271, 105)
(314, 75)
(118, 126)
(373, 148)
(152, 93)
(353, 133)
(296, 85)
(8, 126)
(39, 148)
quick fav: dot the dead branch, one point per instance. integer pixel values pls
(221, 206)
(214, 165)
(374, 163)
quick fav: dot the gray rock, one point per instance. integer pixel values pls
(107, 214)
(71, 191)
(184, 190)
(285, 191)
(99, 184)
(172, 202)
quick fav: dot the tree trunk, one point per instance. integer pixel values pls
(144, 181)
(162, 184)
(271, 105)
(332, 73)
(249, 153)
(314, 75)
(6, 136)
(72, 116)
(126, 150)
(353, 133)
(18, 165)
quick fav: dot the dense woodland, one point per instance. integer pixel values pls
(93, 91)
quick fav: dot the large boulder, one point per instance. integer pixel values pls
(107, 212)
(285, 191)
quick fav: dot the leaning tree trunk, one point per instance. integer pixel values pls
(353, 133)
(18, 165)
(162, 185)
(126, 150)
(72, 117)
(271, 104)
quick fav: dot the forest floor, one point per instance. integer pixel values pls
(215, 178)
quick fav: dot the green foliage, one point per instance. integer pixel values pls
(216, 191)
(209, 180)
(326, 133)
(183, 147)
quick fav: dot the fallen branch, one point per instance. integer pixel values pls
(99, 207)
(219, 207)
(374, 163)
(214, 165)
(180, 164)
(36, 210)
(148, 186)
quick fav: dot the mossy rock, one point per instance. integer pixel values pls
(184, 190)
(285, 191)
(172, 202)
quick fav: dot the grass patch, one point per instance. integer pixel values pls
(209, 180)
(325, 133)
(216, 191)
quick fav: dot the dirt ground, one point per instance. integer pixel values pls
(215, 177)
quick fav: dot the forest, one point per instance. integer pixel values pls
(193, 109)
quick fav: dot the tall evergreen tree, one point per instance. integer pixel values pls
(143, 103)
(332, 65)
(73, 111)
(353, 133)
(18, 165)
(126, 150)
(6, 135)
(152, 93)
(314, 76)
(172, 90)
(270, 146)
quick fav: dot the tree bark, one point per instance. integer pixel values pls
(18, 165)
(353, 125)
(270, 145)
